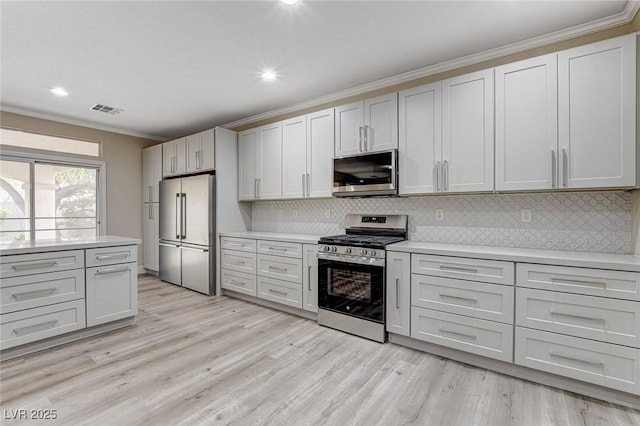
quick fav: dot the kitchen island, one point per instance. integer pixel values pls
(53, 291)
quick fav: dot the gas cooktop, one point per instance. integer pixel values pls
(369, 241)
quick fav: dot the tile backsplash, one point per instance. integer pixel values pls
(595, 222)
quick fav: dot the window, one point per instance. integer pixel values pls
(47, 196)
(16, 138)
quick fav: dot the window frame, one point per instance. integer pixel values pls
(36, 156)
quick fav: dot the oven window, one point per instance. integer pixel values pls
(353, 285)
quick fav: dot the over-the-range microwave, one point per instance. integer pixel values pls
(367, 174)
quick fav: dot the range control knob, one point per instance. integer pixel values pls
(372, 253)
(334, 249)
(326, 248)
(363, 252)
(347, 250)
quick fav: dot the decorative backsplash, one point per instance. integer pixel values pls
(595, 222)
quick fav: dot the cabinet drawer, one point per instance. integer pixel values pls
(594, 282)
(240, 244)
(33, 291)
(486, 338)
(40, 263)
(111, 255)
(238, 281)
(598, 318)
(280, 249)
(280, 291)
(604, 364)
(486, 301)
(239, 261)
(283, 268)
(19, 328)
(112, 293)
(489, 271)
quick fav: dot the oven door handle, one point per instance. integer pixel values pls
(354, 260)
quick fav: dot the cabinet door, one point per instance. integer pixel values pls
(200, 152)
(112, 293)
(147, 175)
(168, 158)
(310, 278)
(467, 132)
(398, 293)
(381, 123)
(597, 113)
(294, 157)
(527, 124)
(270, 154)
(349, 129)
(181, 156)
(207, 158)
(247, 164)
(194, 150)
(420, 145)
(150, 236)
(320, 145)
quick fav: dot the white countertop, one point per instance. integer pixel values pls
(625, 262)
(275, 236)
(39, 246)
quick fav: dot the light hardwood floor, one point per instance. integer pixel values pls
(197, 360)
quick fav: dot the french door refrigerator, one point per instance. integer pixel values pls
(187, 232)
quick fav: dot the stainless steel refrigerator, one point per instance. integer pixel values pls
(187, 232)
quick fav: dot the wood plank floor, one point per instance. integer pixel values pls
(197, 360)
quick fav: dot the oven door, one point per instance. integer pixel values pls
(351, 288)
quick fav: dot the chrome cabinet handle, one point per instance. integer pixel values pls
(237, 283)
(458, 269)
(150, 212)
(436, 180)
(397, 293)
(255, 188)
(566, 314)
(554, 171)
(309, 277)
(35, 327)
(308, 185)
(304, 186)
(258, 187)
(237, 262)
(275, 268)
(33, 294)
(565, 168)
(110, 271)
(277, 292)
(453, 296)
(571, 358)
(277, 248)
(459, 333)
(445, 175)
(360, 129)
(150, 193)
(366, 139)
(577, 282)
(112, 256)
(37, 265)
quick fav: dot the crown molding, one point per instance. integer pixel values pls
(621, 18)
(88, 124)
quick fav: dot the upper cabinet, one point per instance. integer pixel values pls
(597, 114)
(527, 124)
(307, 150)
(260, 163)
(174, 157)
(367, 126)
(192, 154)
(151, 173)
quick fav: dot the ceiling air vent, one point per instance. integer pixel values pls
(106, 109)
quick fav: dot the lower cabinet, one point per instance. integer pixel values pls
(398, 303)
(285, 292)
(310, 277)
(150, 236)
(112, 293)
(241, 282)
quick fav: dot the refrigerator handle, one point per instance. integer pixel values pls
(178, 217)
(184, 216)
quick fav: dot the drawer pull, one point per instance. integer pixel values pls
(578, 282)
(237, 262)
(458, 269)
(397, 293)
(571, 358)
(237, 282)
(34, 328)
(309, 278)
(277, 248)
(453, 296)
(110, 271)
(33, 294)
(564, 314)
(283, 293)
(236, 244)
(275, 268)
(112, 256)
(38, 265)
(459, 333)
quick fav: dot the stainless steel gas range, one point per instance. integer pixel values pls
(351, 274)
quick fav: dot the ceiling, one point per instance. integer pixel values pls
(177, 67)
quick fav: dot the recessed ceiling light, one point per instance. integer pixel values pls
(289, 2)
(59, 91)
(269, 75)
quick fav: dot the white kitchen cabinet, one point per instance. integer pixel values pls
(367, 126)
(420, 139)
(151, 173)
(310, 277)
(111, 293)
(174, 157)
(597, 114)
(527, 124)
(260, 163)
(398, 293)
(150, 236)
(200, 151)
(307, 151)
(467, 132)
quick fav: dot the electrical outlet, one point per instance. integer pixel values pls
(439, 214)
(525, 215)
(327, 213)
(294, 213)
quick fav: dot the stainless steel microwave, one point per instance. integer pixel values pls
(367, 174)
